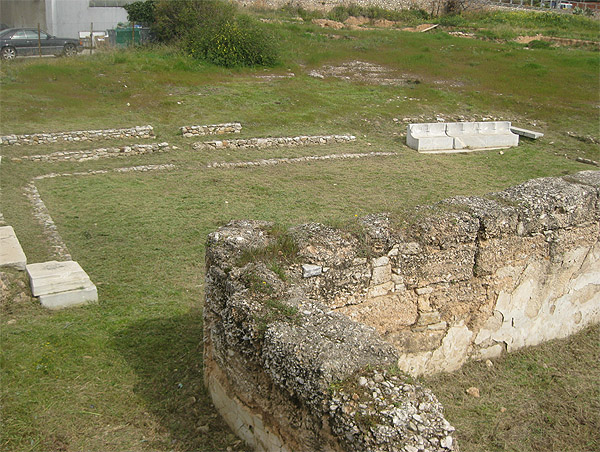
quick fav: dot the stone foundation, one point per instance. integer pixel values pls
(95, 154)
(263, 143)
(214, 129)
(80, 135)
(306, 347)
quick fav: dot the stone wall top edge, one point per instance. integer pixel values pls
(527, 209)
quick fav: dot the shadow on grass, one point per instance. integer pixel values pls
(166, 355)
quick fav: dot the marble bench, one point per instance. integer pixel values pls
(460, 136)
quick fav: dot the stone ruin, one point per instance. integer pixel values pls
(312, 334)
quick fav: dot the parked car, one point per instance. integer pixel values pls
(24, 41)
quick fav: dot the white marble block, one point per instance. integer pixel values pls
(460, 136)
(11, 253)
(61, 284)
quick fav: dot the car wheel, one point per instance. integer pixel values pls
(9, 53)
(69, 50)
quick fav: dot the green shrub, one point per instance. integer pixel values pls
(234, 42)
(176, 19)
(214, 31)
(341, 13)
(141, 12)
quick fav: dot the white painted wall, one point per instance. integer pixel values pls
(66, 18)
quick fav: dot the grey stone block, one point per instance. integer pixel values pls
(11, 253)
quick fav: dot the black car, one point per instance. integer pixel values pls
(24, 41)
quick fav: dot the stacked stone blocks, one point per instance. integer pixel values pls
(263, 143)
(76, 136)
(214, 129)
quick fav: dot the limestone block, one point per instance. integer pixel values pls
(61, 284)
(11, 253)
(309, 270)
(428, 136)
(526, 133)
(380, 290)
(481, 135)
(494, 351)
(449, 356)
(69, 298)
(381, 275)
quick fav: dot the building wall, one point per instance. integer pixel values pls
(20, 13)
(67, 18)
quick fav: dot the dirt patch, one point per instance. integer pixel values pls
(14, 291)
(567, 42)
(326, 23)
(365, 72)
(421, 28)
(356, 21)
(528, 39)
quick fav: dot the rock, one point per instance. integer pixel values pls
(309, 270)
(473, 391)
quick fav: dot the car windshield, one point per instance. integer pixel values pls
(5, 32)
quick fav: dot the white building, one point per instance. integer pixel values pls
(64, 18)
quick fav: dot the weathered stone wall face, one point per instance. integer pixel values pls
(468, 278)
(329, 4)
(472, 277)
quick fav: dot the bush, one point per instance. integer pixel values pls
(213, 30)
(234, 42)
(141, 12)
(176, 19)
(341, 13)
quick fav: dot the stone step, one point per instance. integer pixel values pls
(11, 253)
(61, 284)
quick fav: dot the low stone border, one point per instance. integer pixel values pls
(80, 135)
(261, 143)
(214, 129)
(41, 213)
(310, 158)
(95, 154)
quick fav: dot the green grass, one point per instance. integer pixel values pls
(530, 400)
(126, 374)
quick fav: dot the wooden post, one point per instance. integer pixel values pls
(132, 34)
(39, 41)
(91, 38)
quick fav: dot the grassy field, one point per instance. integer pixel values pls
(126, 374)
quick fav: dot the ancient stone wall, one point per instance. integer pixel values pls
(302, 326)
(95, 154)
(79, 135)
(213, 129)
(269, 142)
